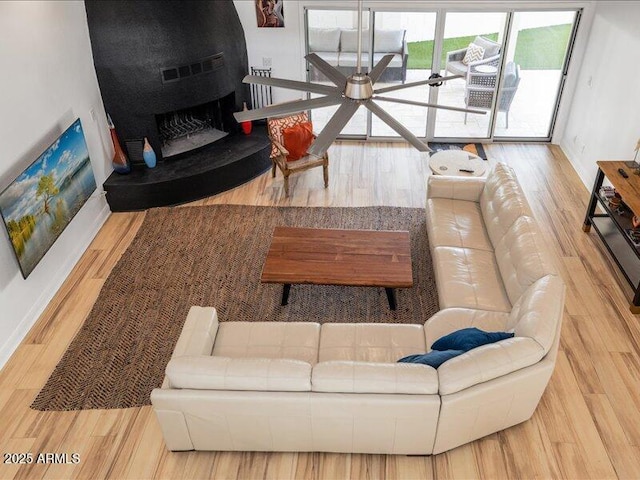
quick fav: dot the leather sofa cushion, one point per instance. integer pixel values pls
(451, 319)
(224, 373)
(538, 312)
(522, 257)
(368, 377)
(488, 362)
(456, 188)
(469, 278)
(198, 333)
(324, 39)
(290, 340)
(456, 223)
(502, 202)
(369, 342)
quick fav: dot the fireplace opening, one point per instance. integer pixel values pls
(191, 128)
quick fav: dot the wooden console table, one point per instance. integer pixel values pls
(612, 225)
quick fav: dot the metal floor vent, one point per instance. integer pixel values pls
(204, 65)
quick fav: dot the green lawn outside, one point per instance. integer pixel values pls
(540, 48)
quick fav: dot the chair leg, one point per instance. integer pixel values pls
(286, 184)
(325, 174)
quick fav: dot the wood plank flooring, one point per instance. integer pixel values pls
(586, 426)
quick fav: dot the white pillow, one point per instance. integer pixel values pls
(474, 53)
(388, 41)
(324, 39)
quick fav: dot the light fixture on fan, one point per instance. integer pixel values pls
(350, 93)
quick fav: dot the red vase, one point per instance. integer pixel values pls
(248, 125)
(120, 161)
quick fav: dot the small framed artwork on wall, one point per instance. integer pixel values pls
(270, 13)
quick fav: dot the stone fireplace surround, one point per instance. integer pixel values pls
(154, 62)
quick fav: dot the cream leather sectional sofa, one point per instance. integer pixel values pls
(270, 386)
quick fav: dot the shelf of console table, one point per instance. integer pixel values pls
(612, 225)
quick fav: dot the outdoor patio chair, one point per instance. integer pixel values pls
(481, 87)
(491, 57)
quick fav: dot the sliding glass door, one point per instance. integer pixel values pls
(332, 34)
(533, 73)
(472, 48)
(511, 67)
(409, 36)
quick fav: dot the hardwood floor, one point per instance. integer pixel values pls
(586, 426)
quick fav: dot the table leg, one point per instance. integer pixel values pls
(285, 294)
(391, 297)
(593, 201)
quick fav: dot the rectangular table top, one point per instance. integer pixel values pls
(339, 257)
(629, 188)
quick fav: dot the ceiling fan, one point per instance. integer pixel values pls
(350, 92)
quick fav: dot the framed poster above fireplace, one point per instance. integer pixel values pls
(38, 205)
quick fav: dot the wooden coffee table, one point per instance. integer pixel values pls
(361, 258)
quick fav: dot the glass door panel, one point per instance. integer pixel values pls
(332, 34)
(410, 37)
(478, 67)
(532, 75)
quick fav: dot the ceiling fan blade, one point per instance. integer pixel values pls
(333, 128)
(379, 68)
(329, 71)
(286, 108)
(416, 84)
(397, 126)
(292, 84)
(432, 105)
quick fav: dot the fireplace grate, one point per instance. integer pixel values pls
(179, 125)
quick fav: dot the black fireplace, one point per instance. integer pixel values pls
(155, 57)
(171, 71)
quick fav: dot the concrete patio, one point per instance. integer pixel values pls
(529, 115)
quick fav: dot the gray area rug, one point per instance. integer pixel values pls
(213, 256)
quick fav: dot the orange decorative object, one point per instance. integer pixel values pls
(246, 126)
(120, 161)
(297, 140)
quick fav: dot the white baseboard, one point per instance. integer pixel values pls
(39, 305)
(574, 160)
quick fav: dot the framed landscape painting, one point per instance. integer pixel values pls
(38, 205)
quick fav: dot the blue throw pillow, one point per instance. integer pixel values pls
(433, 358)
(468, 338)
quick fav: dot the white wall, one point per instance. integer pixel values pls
(280, 46)
(47, 80)
(604, 118)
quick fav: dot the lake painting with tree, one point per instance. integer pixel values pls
(41, 202)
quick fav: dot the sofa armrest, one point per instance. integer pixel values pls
(456, 188)
(224, 373)
(493, 61)
(198, 333)
(370, 377)
(451, 319)
(456, 55)
(488, 362)
(280, 147)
